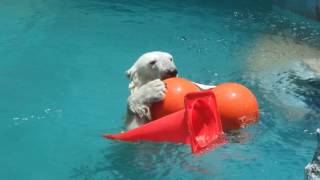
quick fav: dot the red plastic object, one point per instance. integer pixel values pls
(203, 121)
(198, 124)
(177, 88)
(237, 105)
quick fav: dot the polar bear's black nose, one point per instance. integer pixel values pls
(173, 73)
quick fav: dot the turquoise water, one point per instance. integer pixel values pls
(63, 85)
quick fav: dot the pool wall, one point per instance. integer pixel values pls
(308, 8)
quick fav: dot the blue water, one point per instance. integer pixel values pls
(62, 82)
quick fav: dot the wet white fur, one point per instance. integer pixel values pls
(146, 86)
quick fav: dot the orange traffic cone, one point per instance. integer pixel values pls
(158, 130)
(199, 125)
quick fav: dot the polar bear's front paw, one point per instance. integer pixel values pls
(154, 91)
(140, 101)
(142, 111)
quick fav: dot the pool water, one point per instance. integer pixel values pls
(63, 85)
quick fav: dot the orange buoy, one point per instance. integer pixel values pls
(237, 105)
(177, 88)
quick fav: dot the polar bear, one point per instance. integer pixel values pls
(146, 85)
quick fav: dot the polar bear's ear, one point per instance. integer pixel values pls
(130, 72)
(134, 79)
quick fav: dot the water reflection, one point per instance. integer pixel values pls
(142, 161)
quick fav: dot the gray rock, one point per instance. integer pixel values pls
(312, 170)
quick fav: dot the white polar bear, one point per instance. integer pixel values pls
(146, 85)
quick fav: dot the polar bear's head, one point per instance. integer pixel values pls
(151, 66)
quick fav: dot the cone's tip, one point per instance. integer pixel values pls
(108, 136)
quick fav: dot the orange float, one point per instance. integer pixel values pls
(236, 104)
(177, 89)
(196, 118)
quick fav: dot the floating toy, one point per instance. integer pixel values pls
(198, 124)
(190, 116)
(177, 88)
(237, 105)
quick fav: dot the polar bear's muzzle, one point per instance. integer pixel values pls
(169, 74)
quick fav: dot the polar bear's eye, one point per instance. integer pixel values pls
(171, 59)
(152, 62)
